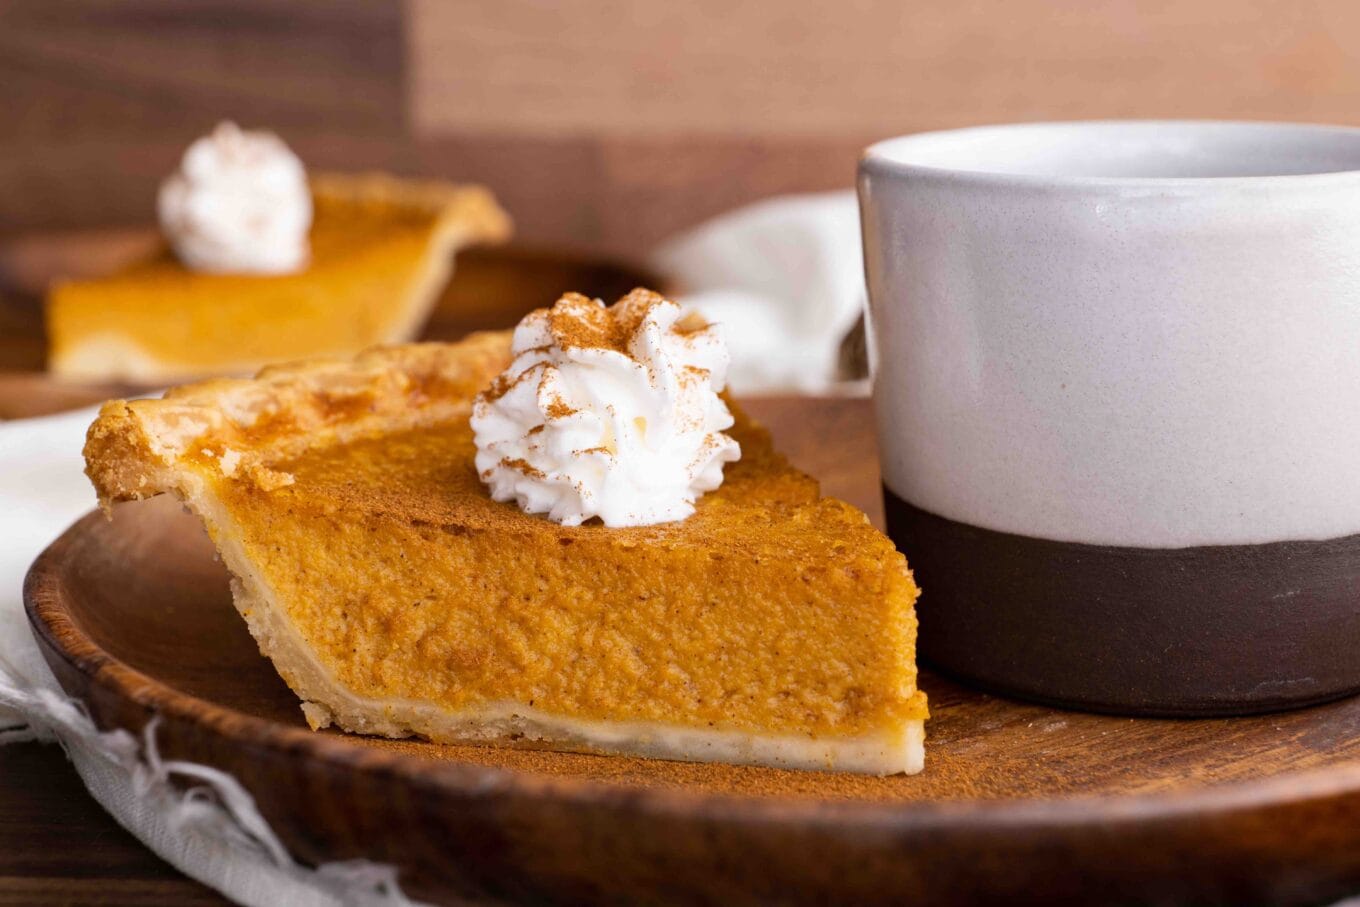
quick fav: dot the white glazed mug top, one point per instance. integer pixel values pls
(1126, 333)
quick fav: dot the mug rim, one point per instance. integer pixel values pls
(885, 156)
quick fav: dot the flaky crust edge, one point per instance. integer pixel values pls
(134, 448)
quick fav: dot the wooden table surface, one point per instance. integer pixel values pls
(58, 846)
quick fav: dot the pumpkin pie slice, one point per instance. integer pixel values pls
(381, 252)
(395, 597)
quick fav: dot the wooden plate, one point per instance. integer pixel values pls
(1017, 802)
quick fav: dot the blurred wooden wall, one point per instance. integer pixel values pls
(611, 124)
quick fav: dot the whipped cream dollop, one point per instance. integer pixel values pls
(239, 203)
(609, 412)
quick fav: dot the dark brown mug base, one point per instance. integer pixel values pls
(1181, 632)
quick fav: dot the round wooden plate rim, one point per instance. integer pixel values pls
(51, 622)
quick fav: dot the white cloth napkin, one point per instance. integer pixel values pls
(784, 277)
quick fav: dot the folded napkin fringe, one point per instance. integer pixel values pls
(214, 809)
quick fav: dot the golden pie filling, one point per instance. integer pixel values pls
(396, 597)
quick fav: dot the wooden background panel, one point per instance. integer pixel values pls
(606, 124)
(807, 68)
(92, 68)
(100, 96)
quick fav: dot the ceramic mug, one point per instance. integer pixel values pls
(1117, 384)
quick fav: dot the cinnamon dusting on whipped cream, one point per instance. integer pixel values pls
(607, 412)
